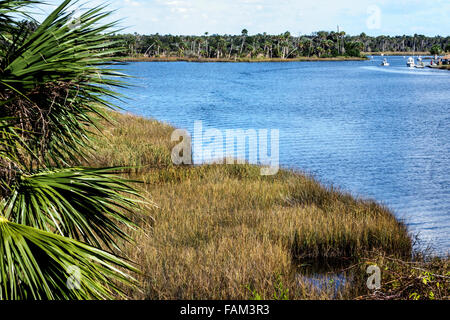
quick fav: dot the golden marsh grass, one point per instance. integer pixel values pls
(226, 232)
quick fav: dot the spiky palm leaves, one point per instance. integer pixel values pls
(55, 77)
(54, 218)
(41, 265)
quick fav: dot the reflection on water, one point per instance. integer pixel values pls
(330, 275)
(378, 132)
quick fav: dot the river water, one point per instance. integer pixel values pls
(377, 132)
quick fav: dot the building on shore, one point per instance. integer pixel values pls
(445, 60)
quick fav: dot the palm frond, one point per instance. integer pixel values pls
(35, 264)
(8, 8)
(63, 75)
(84, 204)
(8, 138)
(55, 81)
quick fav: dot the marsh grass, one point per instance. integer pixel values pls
(226, 232)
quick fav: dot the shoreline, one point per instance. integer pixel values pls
(398, 53)
(247, 60)
(251, 60)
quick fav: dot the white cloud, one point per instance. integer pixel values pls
(179, 10)
(305, 16)
(132, 3)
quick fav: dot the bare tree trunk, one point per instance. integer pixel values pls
(242, 46)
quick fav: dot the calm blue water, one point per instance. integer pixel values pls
(378, 132)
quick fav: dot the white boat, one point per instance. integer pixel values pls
(385, 63)
(420, 64)
(410, 63)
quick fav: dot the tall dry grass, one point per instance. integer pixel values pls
(225, 232)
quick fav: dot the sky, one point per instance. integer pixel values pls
(195, 17)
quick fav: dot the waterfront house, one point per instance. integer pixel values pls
(445, 60)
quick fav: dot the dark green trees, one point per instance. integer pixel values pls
(436, 49)
(285, 45)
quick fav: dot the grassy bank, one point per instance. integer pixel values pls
(225, 232)
(174, 59)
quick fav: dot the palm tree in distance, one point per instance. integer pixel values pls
(244, 34)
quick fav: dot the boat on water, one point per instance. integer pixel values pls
(420, 64)
(385, 63)
(410, 63)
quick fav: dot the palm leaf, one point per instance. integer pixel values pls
(8, 138)
(54, 86)
(35, 264)
(61, 72)
(84, 204)
(9, 8)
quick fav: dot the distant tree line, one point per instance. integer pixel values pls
(319, 44)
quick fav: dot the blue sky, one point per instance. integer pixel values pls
(388, 17)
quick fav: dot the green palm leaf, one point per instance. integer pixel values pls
(85, 204)
(10, 7)
(8, 138)
(54, 82)
(36, 264)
